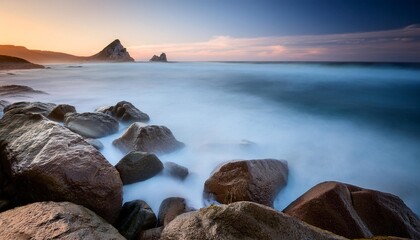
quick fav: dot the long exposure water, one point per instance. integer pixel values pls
(355, 123)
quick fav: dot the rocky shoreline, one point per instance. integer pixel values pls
(55, 184)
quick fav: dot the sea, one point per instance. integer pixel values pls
(357, 123)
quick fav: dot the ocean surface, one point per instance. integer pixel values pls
(354, 123)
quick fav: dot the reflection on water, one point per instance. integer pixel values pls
(352, 123)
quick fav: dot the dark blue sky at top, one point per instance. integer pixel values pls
(250, 18)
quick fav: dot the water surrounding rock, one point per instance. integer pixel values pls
(125, 112)
(161, 58)
(241, 220)
(30, 107)
(247, 180)
(91, 124)
(355, 212)
(138, 166)
(145, 138)
(95, 143)
(55, 220)
(175, 170)
(170, 208)
(58, 112)
(45, 161)
(135, 216)
(114, 52)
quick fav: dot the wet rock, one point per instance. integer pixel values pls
(170, 208)
(175, 170)
(91, 125)
(161, 58)
(135, 216)
(241, 220)
(138, 166)
(30, 107)
(18, 91)
(45, 161)
(125, 112)
(354, 212)
(95, 143)
(148, 138)
(58, 112)
(3, 104)
(54, 220)
(247, 180)
(151, 234)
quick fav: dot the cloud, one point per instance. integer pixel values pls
(391, 45)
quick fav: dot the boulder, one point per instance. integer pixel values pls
(91, 125)
(125, 112)
(148, 138)
(55, 220)
(95, 143)
(30, 107)
(138, 166)
(175, 170)
(161, 58)
(241, 220)
(170, 208)
(151, 234)
(135, 216)
(354, 212)
(44, 161)
(247, 180)
(58, 112)
(3, 104)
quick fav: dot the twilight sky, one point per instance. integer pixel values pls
(302, 30)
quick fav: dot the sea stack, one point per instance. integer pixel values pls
(161, 58)
(114, 52)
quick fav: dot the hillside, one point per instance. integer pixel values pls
(9, 63)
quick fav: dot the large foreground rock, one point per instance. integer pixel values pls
(247, 180)
(135, 216)
(52, 220)
(138, 166)
(355, 212)
(44, 161)
(170, 208)
(148, 138)
(91, 125)
(125, 112)
(30, 107)
(241, 220)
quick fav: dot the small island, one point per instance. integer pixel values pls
(161, 58)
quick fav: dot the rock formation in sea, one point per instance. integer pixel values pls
(10, 63)
(161, 58)
(114, 52)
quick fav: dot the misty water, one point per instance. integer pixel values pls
(358, 124)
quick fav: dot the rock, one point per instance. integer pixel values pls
(140, 137)
(175, 170)
(30, 107)
(3, 104)
(135, 217)
(354, 212)
(91, 125)
(241, 220)
(170, 208)
(58, 112)
(125, 112)
(45, 161)
(10, 63)
(114, 52)
(95, 143)
(138, 166)
(151, 234)
(247, 180)
(54, 220)
(5, 205)
(18, 91)
(161, 58)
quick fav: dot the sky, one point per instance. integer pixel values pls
(225, 30)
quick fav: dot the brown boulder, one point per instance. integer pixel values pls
(175, 170)
(151, 234)
(54, 220)
(241, 220)
(44, 161)
(138, 166)
(91, 125)
(355, 212)
(170, 208)
(148, 138)
(247, 180)
(125, 112)
(58, 112)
